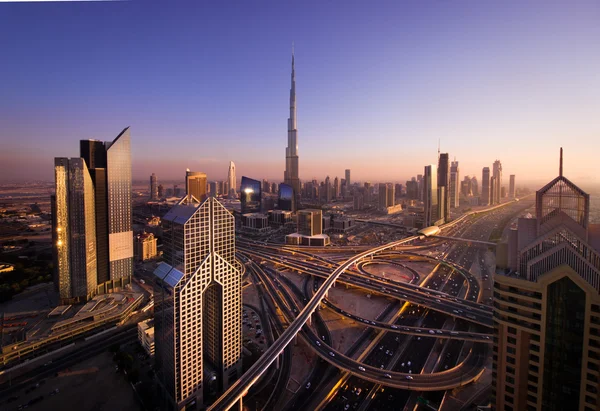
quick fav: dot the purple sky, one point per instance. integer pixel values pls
(377, 86)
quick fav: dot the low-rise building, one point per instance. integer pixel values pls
(256, 222)
(146, 336)
(145, 246)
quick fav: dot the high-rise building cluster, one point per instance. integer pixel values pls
(91, 209)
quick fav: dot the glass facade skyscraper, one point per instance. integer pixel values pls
(286, 198)
(250, 195)
(109, 164)
(196, 184)
(74, 231)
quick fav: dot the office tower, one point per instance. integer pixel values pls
(250, 195)
(231, 184)
(153, 188)
(213, 188)
(430, 196)
(547, 308)
(497, 172)
(198, 304)
(291, 176)
(359, 200)
(466, 187)
(503, 192)
(474, 187)
(511, 186)
(110, 169)
(397, 191)
(336, 188)
(286, 198)
(266, 186)
(420, 183)
(74, 231)
(485, 198)
(195, 184)
(93, 153)
(454, 186)
(343, 188)
(383, 195)
(412, 189)
(161, 191)
(310, 222)
(391, 201)
(444, 181)
(176, 190)
(328, 192)
(493, 184)
(348, 182)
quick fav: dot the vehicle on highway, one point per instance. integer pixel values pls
(331, 354)
(361, 368)
(387, 376)
(409, 377)
(308, 385)
(431, 332)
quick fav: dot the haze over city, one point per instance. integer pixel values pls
(377, 87)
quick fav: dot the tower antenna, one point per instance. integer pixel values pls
(560, 168)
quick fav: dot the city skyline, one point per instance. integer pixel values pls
(489, 90)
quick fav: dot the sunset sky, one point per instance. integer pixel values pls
(378, 83)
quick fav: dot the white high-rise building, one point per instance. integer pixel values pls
(496, 195)
(198, 304)
(231, 179)
(291, 174)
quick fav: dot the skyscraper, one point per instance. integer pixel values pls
(198, 304)
(153, 188)
(444, 181)
(485, 187)
(291, 176)
(336, 188)
(511, 186)
(497, 172)
(348, 182)
(250, 195)
(493, 185)
(195, 184)
(110, 169)
(547, 306)
(454, 185)
(74, 231)
(286, 199)
(232, 187)
(386, 195)
(430, 196)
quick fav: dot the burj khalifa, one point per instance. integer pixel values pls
(290, 176)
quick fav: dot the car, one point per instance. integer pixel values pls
(387, 376)
(318, 342)
(346, 407)
(361, 368)
(439, 331)
(431, 332)
(395, 327)
(409, 377)
(331, 354)
(308, 385)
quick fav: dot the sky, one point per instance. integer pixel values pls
(378, 85)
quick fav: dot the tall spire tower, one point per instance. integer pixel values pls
(290, 176)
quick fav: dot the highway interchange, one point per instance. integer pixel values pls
(438, 309)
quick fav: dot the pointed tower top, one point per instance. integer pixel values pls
(560, 167)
